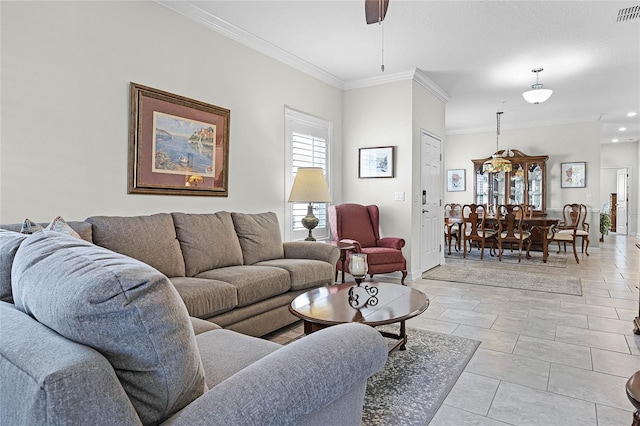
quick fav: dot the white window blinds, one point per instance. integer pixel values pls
(308, 141)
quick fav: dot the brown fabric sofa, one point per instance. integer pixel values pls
(231, 269)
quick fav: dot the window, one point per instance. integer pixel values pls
(307, 145)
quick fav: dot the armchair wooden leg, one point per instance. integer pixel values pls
(585, 250)
(529, 249)
(404, 275)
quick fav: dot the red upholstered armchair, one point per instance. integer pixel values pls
(354, 224)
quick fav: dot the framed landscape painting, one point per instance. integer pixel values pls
(573, 175)
(177, 145)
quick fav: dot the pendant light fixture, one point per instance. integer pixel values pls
(498, 163)
(537, 94)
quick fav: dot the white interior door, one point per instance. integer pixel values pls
(431, 188)
(623, 200)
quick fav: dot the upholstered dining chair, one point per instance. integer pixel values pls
(358, 225)
(510, 230)
(452, 224)
(473, 227)
(571, 228)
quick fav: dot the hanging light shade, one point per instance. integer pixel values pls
(537, 94)
(498, 163)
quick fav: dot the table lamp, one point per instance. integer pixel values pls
(310, 186)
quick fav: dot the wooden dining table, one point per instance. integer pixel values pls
(541, 223)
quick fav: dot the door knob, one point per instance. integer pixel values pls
(425, 211)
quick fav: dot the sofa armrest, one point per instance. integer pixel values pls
(295, 384)
(391, 242)
(311, 250)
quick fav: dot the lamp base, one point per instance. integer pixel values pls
(310, 222)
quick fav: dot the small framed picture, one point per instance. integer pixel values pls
(573, 175)
(376, 162)
(456, 180)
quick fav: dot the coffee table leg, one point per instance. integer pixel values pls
(403, 336)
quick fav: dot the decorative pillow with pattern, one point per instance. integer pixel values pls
(30, 227)
(59, 225)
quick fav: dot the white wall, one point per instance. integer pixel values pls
(390, 114)
(617, 156)
(66, 68)
(562, 143)
(380, 116)
(428, 114)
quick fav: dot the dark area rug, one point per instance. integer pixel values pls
(505, 276)
(414, 383)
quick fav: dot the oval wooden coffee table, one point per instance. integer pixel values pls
(371, 303)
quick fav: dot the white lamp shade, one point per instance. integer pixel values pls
(537, 96)
(310, 186)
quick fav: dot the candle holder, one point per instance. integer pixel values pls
(361, 297)
(358, 267)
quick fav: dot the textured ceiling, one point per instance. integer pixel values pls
(480, 53)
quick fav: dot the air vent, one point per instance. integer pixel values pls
(628, 13)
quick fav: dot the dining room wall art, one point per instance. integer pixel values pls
(573, 175)
(177, 145)
(456, 180)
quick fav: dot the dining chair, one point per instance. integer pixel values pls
(452, 217)
(573, 216)
(526, 211)
(473, 227)
(509, 217)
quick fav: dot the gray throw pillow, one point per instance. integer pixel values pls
(9, 243)
(259, 236)
(124, 309)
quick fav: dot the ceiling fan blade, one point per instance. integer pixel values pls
(375, 10)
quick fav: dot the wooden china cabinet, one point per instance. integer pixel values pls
(525, 184)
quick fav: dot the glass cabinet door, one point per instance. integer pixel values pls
(482, 187)
(535, 186)
(516, 184)
(499, 188)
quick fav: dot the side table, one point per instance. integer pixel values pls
(343, 257)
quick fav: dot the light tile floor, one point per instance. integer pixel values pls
(545, 359)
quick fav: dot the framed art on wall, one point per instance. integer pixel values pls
(177, 145)
(456, 180)
(573, 175)
(376, 162)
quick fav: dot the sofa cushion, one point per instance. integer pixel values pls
(259, 236)
(225, 352)
(150, 239)
(205, 298)
(304, 273)
(208, 241)
(9, 243)
(124, 309)
(47, 379)
(252, 283)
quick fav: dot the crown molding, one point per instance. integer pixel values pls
(416, 75)
(378, 80)
(235, 33)
(421, 78)
(589, 119)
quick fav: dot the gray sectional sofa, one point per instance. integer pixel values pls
(231, 269)
(96, 337)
